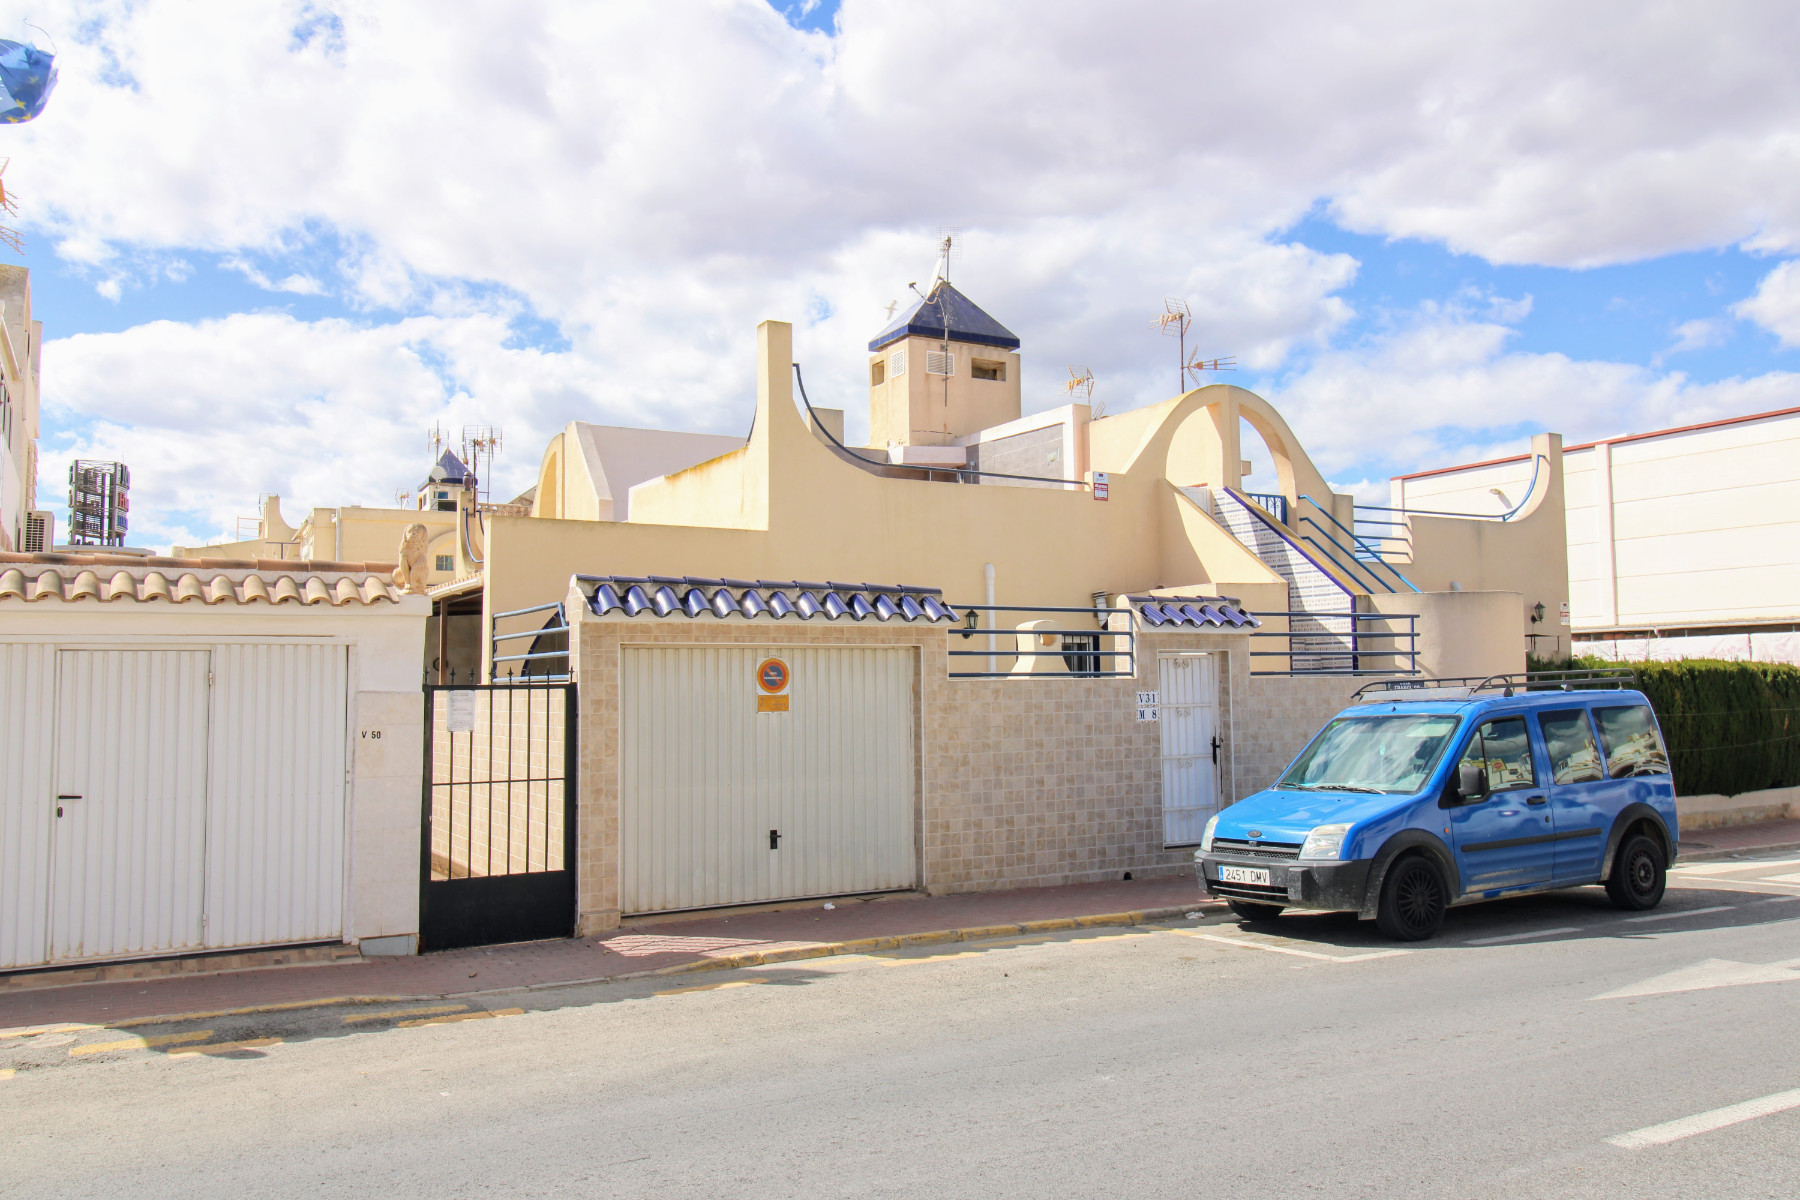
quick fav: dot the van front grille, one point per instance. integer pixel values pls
(1248, 891)
(1287, 851)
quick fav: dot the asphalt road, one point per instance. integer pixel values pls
(1549, 1047)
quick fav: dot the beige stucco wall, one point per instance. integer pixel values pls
(1029, 781)
(385, 642)
(1462, 633)
(786, 507)
(922, 409)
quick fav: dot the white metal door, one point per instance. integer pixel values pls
(1189, 699)
(130, 799)
(275, 807)
(723, 804)
(27, 811)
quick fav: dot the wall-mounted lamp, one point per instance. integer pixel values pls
(972, 621)
(1537, 613)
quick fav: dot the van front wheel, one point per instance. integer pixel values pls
(1638, 875)
(1413, 899)
(1255, 912)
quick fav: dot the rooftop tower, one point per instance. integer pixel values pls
(942, 370)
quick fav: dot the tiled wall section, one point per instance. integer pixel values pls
(1022, 782)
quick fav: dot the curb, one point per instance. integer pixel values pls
(751, 958)
(1716, 855)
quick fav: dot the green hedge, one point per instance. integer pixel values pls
(1731, 726)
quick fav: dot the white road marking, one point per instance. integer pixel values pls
(1519, 937)
(1249, 945)
(1761, 865)
(1781, 899)
(1706, 1122)
(1794, 878)
(1686, 912)
(1710, 973)
(1738, 879)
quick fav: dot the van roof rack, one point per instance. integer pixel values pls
(1587, 679)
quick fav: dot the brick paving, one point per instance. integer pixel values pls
(634, 948)
(1735, 839)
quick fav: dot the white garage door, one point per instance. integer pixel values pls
(170, 800)
(721, 803)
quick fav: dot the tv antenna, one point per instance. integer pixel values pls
(891, 306)
(1174, 320)
(949, 239)
(1228, 363)
(9, 235)
(1080, 385)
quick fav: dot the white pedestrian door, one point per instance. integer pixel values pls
(731, 796)
(1189, 699)
(129, 834)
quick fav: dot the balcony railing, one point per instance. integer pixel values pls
(1343, 643)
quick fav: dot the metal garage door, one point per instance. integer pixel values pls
(130, 827)
(170, 800)
(725, 802)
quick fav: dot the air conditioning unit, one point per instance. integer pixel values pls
(39, 528)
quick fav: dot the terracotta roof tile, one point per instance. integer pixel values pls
(71, 578)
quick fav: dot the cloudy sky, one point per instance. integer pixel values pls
(274, 243)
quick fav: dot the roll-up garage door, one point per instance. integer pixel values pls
(728, 800)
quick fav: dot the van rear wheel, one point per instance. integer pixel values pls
(1413, 899)
(1254, 912)
(1638, 874)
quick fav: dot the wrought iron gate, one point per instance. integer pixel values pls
(499, 829)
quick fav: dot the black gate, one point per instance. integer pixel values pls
(499, 830)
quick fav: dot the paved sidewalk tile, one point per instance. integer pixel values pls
(637, 947)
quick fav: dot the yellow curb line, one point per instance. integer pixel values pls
(34, 1030)
(454, 1018)
(290, 1006)
(710, 987)
(140, 1043)
(225, 1047)
(386, 1014)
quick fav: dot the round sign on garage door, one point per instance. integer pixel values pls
(772, 676)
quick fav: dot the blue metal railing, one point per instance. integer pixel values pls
(1358, 549)
(1314, 647)
(1273, 503)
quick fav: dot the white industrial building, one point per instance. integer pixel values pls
(1683, 543)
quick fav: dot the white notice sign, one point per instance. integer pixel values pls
(1147, 707)
(459, 712)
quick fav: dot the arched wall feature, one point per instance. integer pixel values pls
(1169, 447)
(548, 501)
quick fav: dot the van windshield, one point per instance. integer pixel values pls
(1372, 754)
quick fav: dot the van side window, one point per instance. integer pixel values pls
(1574, 758)
(1502, 749)
(1631, 742)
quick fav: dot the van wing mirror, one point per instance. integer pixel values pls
(1471, 781)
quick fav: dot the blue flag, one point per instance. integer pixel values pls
(27, 76)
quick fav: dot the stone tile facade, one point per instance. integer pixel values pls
(1021, 782)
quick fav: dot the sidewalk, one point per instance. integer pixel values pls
(633, 950)
(1726, 840)
(678, 945)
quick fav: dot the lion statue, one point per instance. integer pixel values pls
(410, 575)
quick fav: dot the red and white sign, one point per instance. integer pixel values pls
(1101, 487)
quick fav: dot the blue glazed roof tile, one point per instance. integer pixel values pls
(1196, 612)
(671, 596)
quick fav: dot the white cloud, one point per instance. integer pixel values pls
(1697, 334)
(651, 180)
(1442, 387)
(1776, 304)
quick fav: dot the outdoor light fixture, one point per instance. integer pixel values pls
(1537, 612)
(972, 620)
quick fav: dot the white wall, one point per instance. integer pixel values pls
(386, 653)
(1692, 528)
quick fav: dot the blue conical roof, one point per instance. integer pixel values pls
(967, 322)
(450, 470)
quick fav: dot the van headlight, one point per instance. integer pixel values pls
(1206, 837)
(1325, 841)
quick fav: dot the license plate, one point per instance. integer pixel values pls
(1244, 875)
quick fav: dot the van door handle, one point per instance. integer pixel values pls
(1534, 800)
(64, 796)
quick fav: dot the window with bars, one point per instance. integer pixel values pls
(937, 362)
(446, 563)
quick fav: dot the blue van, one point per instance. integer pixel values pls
(1426, 794)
